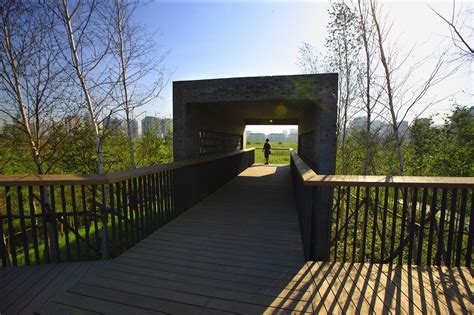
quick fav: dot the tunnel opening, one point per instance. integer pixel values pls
(282, 139)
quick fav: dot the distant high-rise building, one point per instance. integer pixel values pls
(151, 125)
(72, 122)
(113, 124)
(166, 126)
(134, 129)
(293, 131)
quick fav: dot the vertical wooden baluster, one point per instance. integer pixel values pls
(403, 226)
(394, 224)
(104, 218)
(452, 219)
(384, 224)
(172, 193)
(11, 232)
(86, 223)
(112, 219)
(433, 210)
(65, 223)
(365, 224)
(422, 226)
(411, 232)
(140, 204)
(120, 241)
(151, 203)
(144, 209)
(45, 226)
(442, 218)
(24, 236)
(95, 216)
(54, 224)
(136, 213)
(3, 249)
(160, 200)
(146, 202)
(33, 225)
(155, 202)
(126, 214)
(77, 224)
(471, 233)
(338, 209)
(165, 194)
(131, 211)
(356, 223)
(462, 217)
(346, 226)
(374, 226)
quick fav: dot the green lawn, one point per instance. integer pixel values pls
(277, 156)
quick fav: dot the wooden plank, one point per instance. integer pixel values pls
(149, 298)
(212, 273)
(409, 291)
(68, 277)
(362, 293)
(324, 299)
(254, 272)
(244, 253)
(23, 284)
(84, 302)
(299, 288)
(251, 265)
(288, 300)
(222, 254)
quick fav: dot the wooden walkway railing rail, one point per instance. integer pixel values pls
(54, 218)
(385, 219)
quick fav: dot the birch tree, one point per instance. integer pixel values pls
(137, 63)
(88, 54)
(402, 96)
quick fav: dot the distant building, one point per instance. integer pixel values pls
(255, 137)
(279, 137)
(113, 124)
(72, 122)
(151, 125)
(293, 131)
(292, 137)
(166, 127)
(134, 129)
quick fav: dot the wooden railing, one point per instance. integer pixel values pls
(404, 220)
(54, 218)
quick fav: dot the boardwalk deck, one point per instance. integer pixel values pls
(237, 251)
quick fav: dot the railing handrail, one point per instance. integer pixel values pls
(103, 179)
(281, 149)
(310, 178)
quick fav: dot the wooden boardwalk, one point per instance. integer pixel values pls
(237, 251)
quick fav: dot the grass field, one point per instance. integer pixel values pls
(278, 156)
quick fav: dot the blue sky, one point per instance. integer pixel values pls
(220, 39)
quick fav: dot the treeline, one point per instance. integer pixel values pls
(429, 149)
(383, 80)
(67, 68)
(72, 151)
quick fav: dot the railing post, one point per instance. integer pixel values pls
(321, 222)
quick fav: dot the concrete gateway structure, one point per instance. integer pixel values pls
(210, 115)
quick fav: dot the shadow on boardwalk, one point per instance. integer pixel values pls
(237, 251)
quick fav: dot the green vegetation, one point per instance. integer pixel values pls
(277, 156)
(429, 150)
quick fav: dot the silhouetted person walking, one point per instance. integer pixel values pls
(266, 150)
